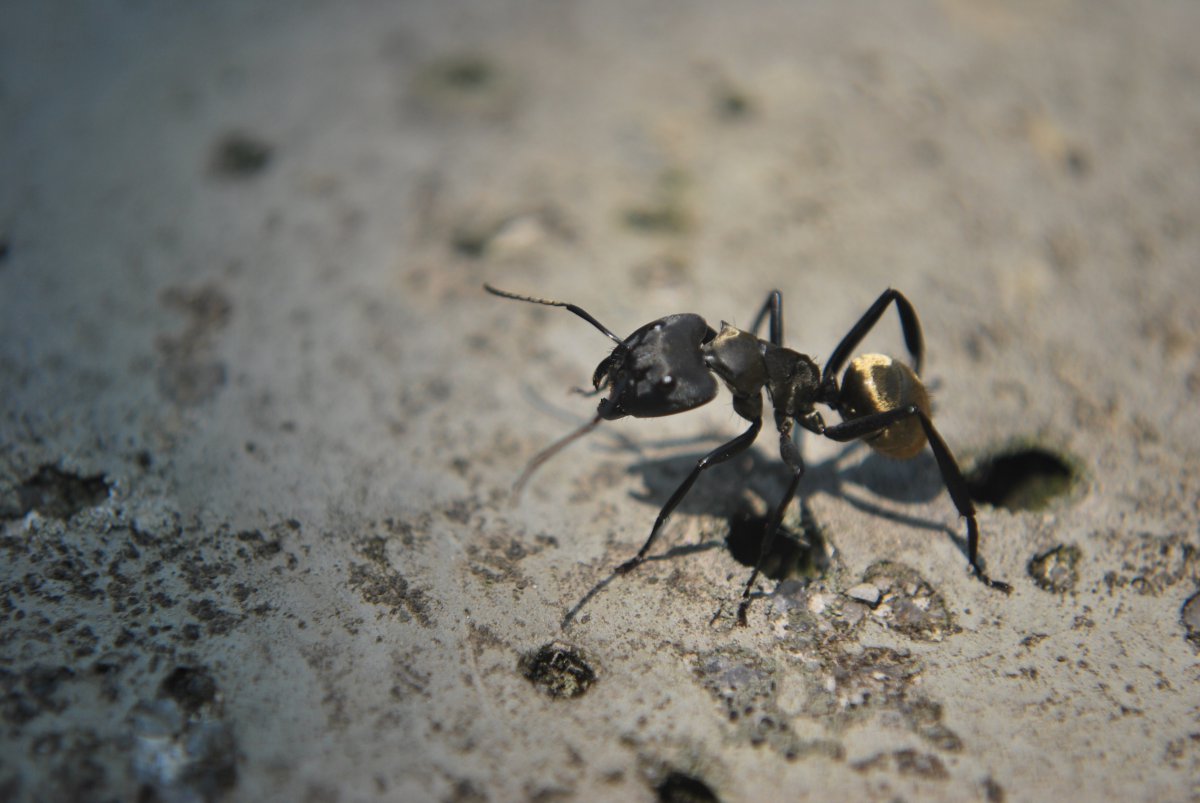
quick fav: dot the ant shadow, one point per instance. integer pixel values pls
(912, 481)
(720, 492)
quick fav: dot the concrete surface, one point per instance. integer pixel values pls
(260, 422)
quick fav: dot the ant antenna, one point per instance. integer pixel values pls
(551, 303)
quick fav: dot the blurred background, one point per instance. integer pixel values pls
(260, 421)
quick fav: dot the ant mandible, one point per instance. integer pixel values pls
(667, 367)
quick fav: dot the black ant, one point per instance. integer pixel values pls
(667, 367)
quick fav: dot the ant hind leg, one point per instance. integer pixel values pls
(952, 476)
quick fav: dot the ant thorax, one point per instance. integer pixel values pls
(737, 358)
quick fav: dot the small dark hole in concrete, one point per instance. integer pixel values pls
(731, 104)
(1055, 570)
(993, 792)
(1189, 614)
(664, 218)
(60, 495)
(1077, 162)
(680, 788)
(5, 248)
(467, 73)
(239, 155)
(471, 242)
(908, 603)
(558, 670)
(793, 554)
(1026, 479)
(189, 686)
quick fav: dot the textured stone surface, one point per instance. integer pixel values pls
(260, 423)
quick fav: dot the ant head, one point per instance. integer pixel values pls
(658, 370)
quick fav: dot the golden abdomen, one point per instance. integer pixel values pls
(875, 383)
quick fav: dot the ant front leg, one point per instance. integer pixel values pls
(952, 475)
(719, 455)
(792, 457)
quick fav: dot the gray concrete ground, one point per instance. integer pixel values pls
(260, 422)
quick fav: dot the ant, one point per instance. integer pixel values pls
(668, 366)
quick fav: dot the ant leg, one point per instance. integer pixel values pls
(791, 456)
(722, 453)
(560, 444)
(952, 475)
(908, 323)
(551, 450)
(774, 306)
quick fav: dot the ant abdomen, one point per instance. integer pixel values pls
(875, 383)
